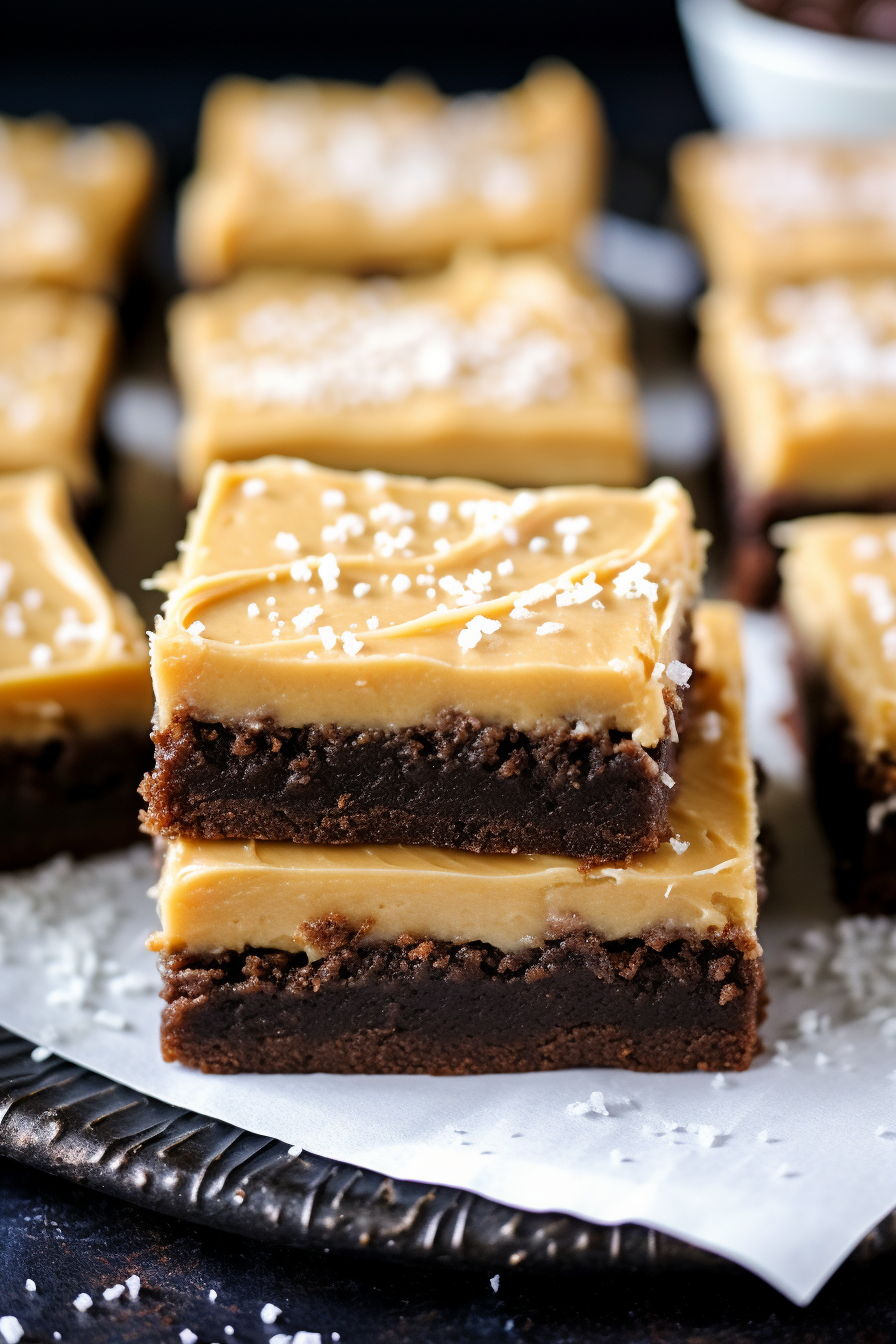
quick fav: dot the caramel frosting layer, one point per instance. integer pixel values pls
(840, 592)
(392, 178)
(73, 657)
(229, 894)
(770, 210)
(55, 350)
(310, 596)
(516, 368)
(806, 377)
(69, 200)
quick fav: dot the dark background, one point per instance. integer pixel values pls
(150, 63)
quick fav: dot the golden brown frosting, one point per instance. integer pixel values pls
(512, 368)
(69, 200)
(73, 657)
(311, 596)
(770, 210)
(230, 894)
(840, 591)
(806, 379)
(55, 351)
(394, 178)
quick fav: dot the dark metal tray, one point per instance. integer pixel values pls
(71, 1122)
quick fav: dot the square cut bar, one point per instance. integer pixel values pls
(71, 200)
(388, 959)
(75, 691)
(513, 368)
(392, 178)
(55, 351)
(806, 380)
(765, 211)
(371, 659)
(839, 588)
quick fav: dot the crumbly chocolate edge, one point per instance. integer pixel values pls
(462, 784)
(658, 1003)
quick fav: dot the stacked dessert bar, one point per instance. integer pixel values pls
(798, 330)
(453, 779)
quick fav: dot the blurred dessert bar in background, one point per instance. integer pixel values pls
(56, 348)
(75, 692)
(394, 178)
(369, 659)
(70, 200)
(806, 381)
(840, 593)
(763, 211)
(392, 959)
(515, 368)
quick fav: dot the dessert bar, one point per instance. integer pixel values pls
(513, 368)
(763, 211)
(806, 380)
(392, 178)
(75, 692)
(839, 589)
(56, 347)
(390, 959)
(71, 200)
(358, 658)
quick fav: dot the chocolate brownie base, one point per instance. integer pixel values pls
(460, 785)
(437, 1008)
(69, 794)
(853, 795)
(753, 560)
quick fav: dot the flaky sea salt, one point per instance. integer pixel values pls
(10, 1329)
(595, 1105)
(133, 1286)
(633, 582)
(327, 636)
(114, 1293)
(83, 1302)
(549, 628)
(254, 487)
(269, 1313)
(474, 629)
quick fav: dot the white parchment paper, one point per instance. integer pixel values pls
(782, 1169)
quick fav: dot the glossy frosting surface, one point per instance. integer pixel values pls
(73, 656)
(311, 596)
(515, 368)
(232, 894)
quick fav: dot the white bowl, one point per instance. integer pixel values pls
(760, 76)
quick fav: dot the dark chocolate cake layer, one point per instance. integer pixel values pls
(69, 794)
(853, 797)
(460, 785)
(753, 564)
(439, 1008)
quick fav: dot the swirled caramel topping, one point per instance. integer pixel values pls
(72, 654)
(312, 596)
(230, 894)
